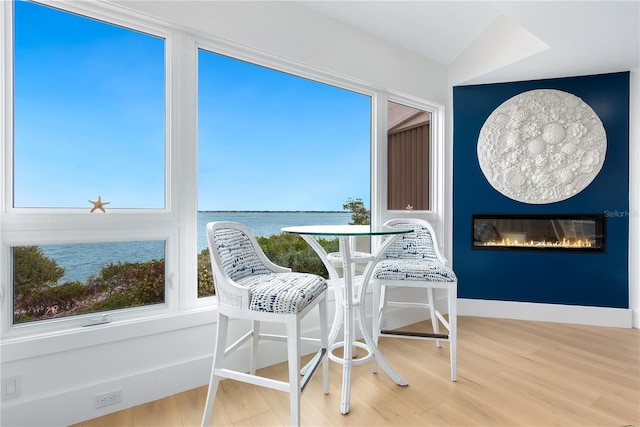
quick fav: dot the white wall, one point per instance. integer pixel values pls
(148, 360)
(295, 32)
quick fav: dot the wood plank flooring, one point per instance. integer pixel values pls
(510, 373)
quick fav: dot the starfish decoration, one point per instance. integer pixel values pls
(98, 204)
(409, 208)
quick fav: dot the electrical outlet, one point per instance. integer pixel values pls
(108, 398)
(11, 387)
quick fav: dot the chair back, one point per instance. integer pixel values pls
(419, 244)
(235, 251)
(235, 255)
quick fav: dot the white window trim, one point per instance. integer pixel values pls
(178, 221)
(112, 15)
(23, 226)
(436, 159)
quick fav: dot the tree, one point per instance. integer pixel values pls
(359, 213)
(35, 280)
(205, 275)
(34, 269)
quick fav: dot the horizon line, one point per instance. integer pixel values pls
(274, 211)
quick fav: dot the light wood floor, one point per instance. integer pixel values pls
(510, 373)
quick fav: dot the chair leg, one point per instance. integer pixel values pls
(255, 339)
(432, 310)
(376, 315)
(218, 362)
(324, 342)
(293, 347)
(453, 328)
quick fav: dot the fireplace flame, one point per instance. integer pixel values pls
(565, 243)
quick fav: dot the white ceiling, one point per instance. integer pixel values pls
(579, 37)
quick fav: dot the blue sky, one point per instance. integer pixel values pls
(89, 120)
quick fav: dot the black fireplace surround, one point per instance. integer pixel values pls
(539, 232)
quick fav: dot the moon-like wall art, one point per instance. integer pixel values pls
(542, 146)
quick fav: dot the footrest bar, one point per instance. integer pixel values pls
(312, 366)
(414, 334)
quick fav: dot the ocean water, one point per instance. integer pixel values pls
(265, 224)
(83, 260)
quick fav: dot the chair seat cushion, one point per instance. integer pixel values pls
(287, 293)
(413, 269)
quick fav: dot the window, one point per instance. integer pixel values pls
(275, 149)
(88, 168)
(408, 158)
(89, 112)
(54, 281)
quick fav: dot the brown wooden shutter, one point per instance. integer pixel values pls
(408, 168)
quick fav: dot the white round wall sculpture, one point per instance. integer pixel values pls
(542, 146)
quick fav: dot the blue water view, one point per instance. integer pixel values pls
(83, 260)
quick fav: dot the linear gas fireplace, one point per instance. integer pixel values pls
(555, 232)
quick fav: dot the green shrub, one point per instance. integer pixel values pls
(128, 284)
(290, 250)
(205, 275)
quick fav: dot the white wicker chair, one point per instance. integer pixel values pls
(414, 260)
(251, 287)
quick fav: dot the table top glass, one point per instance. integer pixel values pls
(345, 230)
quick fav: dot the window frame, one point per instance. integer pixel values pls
(177, 222)
(284, 65)
(109, 16)
(436, 158)
(38, 226)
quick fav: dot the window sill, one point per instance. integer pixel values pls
(34, 345)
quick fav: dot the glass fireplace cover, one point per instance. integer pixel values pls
(539, 232)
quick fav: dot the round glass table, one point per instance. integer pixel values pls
(349, 306)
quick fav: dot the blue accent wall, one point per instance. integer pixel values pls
(573, 278)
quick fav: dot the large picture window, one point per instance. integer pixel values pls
(89, 112)
(275, 149)
(88, 140)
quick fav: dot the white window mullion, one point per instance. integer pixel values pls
(378, 157)
(182, 153)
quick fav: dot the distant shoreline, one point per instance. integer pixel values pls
(233, 211)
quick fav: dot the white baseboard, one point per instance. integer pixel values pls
(559, 313)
